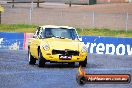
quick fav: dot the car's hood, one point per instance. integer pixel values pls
(62, 44)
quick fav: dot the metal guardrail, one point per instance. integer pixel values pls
(13, 2)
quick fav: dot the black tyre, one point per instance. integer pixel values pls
(32, 60)
(83, 63)
(42, 60)
(71, 64)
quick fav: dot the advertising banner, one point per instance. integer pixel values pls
(12, 41)
(95, 44)
(108, 45)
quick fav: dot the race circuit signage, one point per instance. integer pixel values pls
(95, 44)
(108, 45)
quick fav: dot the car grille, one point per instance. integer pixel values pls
(66, 52)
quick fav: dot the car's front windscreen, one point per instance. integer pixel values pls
(60, 33)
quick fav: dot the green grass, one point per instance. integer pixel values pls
(104, 32)
(87, 31)
(17, 28)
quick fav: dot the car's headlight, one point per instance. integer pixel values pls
(46, 47)
(84, 49)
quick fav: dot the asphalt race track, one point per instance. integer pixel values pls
(16, 73)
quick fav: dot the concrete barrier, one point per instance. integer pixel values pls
(95, 44)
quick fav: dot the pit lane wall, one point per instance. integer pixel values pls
(95, 44)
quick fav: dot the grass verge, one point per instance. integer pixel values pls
(87, 31)
(17, 28)
(104, 32)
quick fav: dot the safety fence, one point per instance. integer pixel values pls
(82, 19)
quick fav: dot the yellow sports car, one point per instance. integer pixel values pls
(56, 44)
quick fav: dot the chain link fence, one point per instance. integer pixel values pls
(82, 19)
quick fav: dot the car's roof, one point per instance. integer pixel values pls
(54, 26)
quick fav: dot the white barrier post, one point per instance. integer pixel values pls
(32, 5)
(127, 15)
(30, 12)
(93, 19)
(30, 15)
(83, 23)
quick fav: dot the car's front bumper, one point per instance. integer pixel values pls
(55, 58)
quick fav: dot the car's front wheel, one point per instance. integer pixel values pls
(31, 59)
(42, 60)
(83, 63)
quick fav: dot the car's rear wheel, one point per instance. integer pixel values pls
(83, 63)
(32, 60)
(42, 60)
